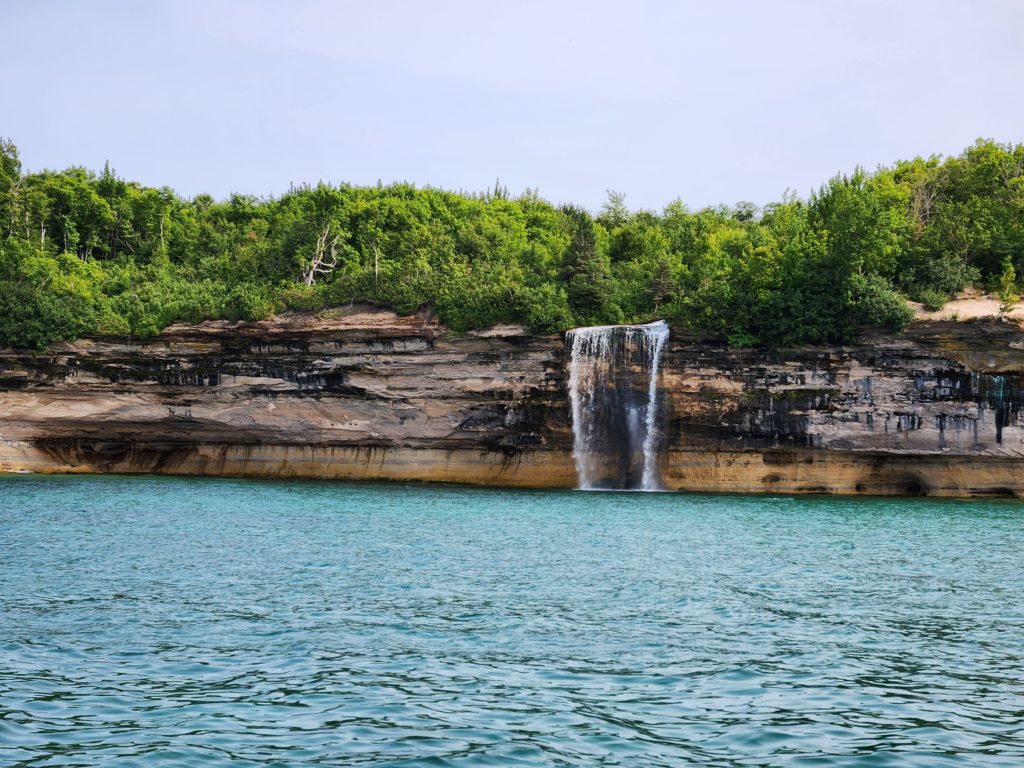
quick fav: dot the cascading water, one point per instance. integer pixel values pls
(613, 392)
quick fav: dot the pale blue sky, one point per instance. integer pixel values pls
(714, 101)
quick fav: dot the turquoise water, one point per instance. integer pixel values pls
(161, 621)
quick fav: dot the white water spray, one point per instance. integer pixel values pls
(605, 406)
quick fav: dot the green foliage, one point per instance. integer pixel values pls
(588, 270)
(874, 301)
(743, 340)
(545, 308)
(44, 299)
(931, 299)
(10, 164)
(82, 253)
(945, 273)
(302, 298)
(1007, 293)
(252, 301)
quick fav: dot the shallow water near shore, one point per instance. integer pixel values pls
(171, 621)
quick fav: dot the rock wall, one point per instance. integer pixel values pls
(936, 411)
(364, 394)
(361, 395)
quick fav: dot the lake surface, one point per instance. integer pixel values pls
(162, 621)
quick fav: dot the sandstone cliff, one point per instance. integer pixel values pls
(366, 394)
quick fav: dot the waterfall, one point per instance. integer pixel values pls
(613, 394)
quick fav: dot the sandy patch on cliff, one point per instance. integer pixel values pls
(498, 331)
(970, 305)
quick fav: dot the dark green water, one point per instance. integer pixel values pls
(158, 621)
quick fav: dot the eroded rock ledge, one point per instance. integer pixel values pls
(365, 394)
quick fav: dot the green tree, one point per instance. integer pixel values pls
(82, 253)
(1007, 293)
(590, 287)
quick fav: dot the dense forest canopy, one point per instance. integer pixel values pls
(85, 253)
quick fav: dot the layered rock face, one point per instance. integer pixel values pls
(362, 395)
(935, 411)
(365, 394)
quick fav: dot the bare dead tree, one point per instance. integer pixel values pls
(924, 194)
(325, 256)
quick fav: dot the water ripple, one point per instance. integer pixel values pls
(158, 621)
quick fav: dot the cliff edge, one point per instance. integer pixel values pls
(366, 394)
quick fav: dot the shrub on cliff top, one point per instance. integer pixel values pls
(82, 253)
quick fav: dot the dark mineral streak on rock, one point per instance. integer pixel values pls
(367, 394)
